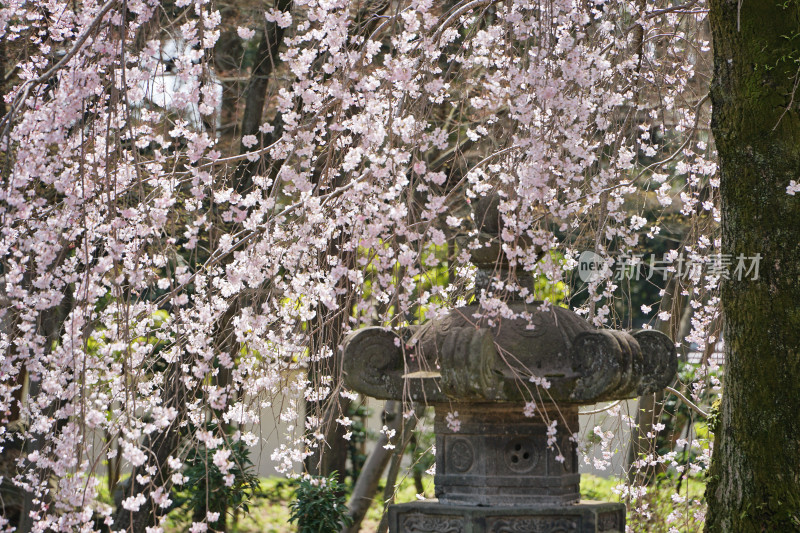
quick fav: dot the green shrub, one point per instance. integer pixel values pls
(319, 505)
(205, 490)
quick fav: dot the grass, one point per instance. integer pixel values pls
(269, 512)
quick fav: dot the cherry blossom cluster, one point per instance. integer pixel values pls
(161, 295)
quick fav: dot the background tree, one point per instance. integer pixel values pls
(755, 474)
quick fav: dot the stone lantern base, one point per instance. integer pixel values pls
(495, 473)
(499, 456)
(430, 516)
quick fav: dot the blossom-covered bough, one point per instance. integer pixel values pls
(168, 279)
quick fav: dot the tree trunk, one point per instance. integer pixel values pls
(50, 324)
(650, 407)
(331, 455)
(2, 77)
(755, 471)
(367, 484)
(389, 493)
(255, 98)
(160, 446)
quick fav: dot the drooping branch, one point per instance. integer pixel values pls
(266, 61)
(24, 91)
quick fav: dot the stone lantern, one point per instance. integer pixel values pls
(498, 468)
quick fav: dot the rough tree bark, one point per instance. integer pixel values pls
(331, 456)
(50, 325)
(256, 96)
(650, 407)
(390, 491)
(159, 448)
(755, 471)
(369, 479)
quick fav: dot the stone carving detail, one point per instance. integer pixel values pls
(376, 359)
(521, 455)
(461, 455)
(609, 522)
(432, 524)
(454, 358)
(538, 524)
